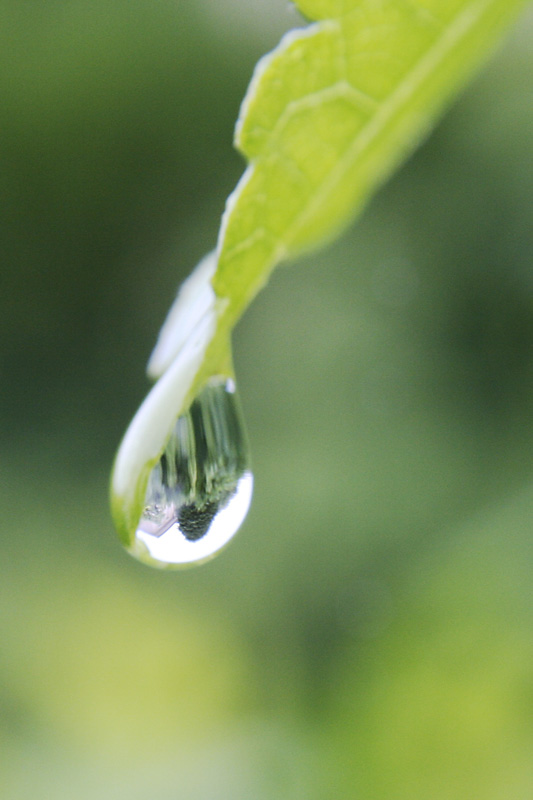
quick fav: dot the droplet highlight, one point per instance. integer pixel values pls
(199, 492)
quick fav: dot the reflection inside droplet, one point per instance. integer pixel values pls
(199, 492)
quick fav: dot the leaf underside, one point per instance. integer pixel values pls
(331, 112)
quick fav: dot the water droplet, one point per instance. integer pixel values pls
(200, 490)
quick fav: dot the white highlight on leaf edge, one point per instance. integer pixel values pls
(195, 300)
(150, 428)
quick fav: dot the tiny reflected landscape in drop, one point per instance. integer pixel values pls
(199, 492)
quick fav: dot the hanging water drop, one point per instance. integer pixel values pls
(200, 490)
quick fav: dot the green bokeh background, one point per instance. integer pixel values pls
(369, 634)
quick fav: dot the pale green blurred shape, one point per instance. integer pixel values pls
(113, 688)
(441, 706)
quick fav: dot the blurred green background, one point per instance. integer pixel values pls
(369, 634)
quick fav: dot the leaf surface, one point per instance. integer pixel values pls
(331, 112)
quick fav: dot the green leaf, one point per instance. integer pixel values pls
(327, 117)
(332, 111)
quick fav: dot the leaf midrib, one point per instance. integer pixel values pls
(452, 36)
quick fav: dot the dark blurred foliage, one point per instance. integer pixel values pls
(369, 632)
